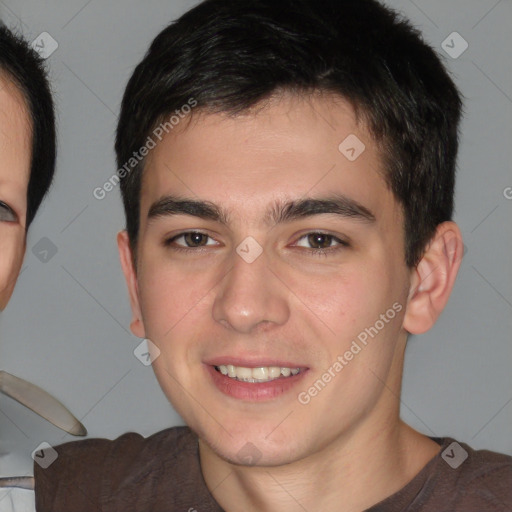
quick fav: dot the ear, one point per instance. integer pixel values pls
(433, 278)
(125, 254)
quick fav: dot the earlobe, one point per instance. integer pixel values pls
(433, 279)
(125, 255)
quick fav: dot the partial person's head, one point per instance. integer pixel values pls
(27, 150)
(288, 177)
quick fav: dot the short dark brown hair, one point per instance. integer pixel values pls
(25, 69)
(231, 54)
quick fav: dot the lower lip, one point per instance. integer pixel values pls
(254, 391)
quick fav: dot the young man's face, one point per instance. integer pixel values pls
(329, 274)
(14, 176)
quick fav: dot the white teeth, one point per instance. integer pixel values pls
(274, 372)
(243, 373)
(261, 374)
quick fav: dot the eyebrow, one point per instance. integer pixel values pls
(171, 205)
(279, 212)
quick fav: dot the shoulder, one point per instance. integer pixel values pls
(473, 479)
(89, 471)
(131, 444)
(487, 476)
(96, 452)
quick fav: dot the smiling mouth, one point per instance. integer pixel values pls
(260, 374)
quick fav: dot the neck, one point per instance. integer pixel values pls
(361, 467)
(350, 475)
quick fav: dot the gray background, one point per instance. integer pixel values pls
(66, 328)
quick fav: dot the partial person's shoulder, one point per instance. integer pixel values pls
(125, 447)
(85, 475)
(457, 479)
(482, 479)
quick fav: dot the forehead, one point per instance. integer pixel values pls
(15, 132)
(287, 148)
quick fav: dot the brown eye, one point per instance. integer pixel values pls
(320, 240)
(195, 239)
(321, 244)
(190, 240)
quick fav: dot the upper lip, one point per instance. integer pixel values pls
(252, 362)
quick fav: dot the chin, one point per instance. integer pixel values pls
(252, 447)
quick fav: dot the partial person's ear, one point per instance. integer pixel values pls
(433, 278)
(12, 251)
(125, 254)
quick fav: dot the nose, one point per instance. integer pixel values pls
(251, 297)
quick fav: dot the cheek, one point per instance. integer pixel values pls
(175, 305)
(12, 248)
(171, 297)
(345, 308)
(344, 301)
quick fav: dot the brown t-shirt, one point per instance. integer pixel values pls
(162, 473)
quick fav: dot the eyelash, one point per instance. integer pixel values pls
(168, 243)
(341, 244)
